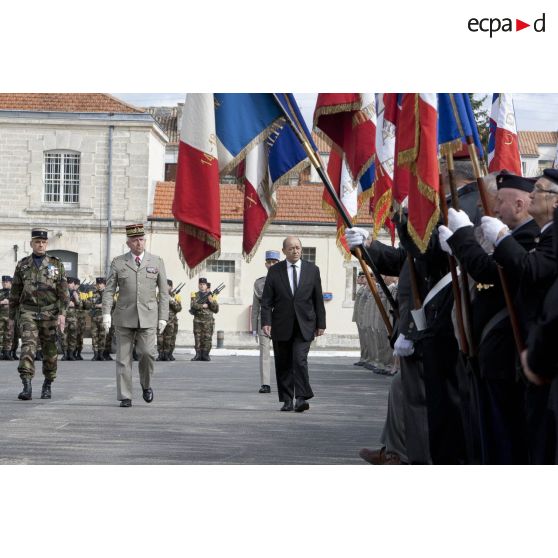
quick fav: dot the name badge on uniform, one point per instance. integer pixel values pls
(152, 269)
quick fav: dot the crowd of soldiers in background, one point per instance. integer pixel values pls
(86, 300)
(376, 353)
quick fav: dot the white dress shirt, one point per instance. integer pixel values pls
(298, 266)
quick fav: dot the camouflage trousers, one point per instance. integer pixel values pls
(69, 339)
(203, 333)
(37, 334)
(81, 324)
(98, 335)
(5, 334)
(165, 340)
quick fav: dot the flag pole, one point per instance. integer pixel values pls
(503, 278)
(360, 255)
(453, 268)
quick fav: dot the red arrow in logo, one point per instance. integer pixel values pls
(519, 25)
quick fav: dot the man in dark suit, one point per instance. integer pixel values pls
(292, 314)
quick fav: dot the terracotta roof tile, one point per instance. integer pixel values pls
(301, 204)
(65, 102)
(167, 117)
(528, 141)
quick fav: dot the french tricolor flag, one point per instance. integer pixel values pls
(503, 145)
(216, 133)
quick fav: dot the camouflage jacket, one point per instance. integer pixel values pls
(197, 310)
(4, 295)
(175, 306)
(42, 290)
(91, 304)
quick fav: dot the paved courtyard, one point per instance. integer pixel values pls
(203, 413)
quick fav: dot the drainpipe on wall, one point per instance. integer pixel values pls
(109, 203)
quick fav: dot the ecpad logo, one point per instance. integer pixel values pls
(494, 24)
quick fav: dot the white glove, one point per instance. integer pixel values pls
(162, 325)
(106, 322)
(491, 228)
(403, 347)
(355, 236)
(458, 219)
(444, 234)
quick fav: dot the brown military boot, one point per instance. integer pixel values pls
(26, 394)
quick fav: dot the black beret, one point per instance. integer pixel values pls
(361, 273)
(6, 278)
(507, 180)
(551, 174)
(99, 280)
(78, 282)
(169, 282)
(71, 279)
(39, 233)
(202, 280)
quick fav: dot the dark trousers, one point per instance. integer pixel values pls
(504, 422)
(539, 424)
(291, 366)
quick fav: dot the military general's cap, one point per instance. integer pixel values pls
(100, 280)
(508, 180)
(6, 278)
(272, 255)
(202, 280)
(135, 230)
(551, 174)
(169, 282)
(39, 233)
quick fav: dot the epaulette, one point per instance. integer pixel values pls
(53, 257)
(193, 294)
(178, 298)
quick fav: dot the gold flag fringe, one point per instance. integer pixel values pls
(409, 156)
(452, 147)
(274, 126)
(334, 109)
(248, 257)
(380, 214)
(422, 242)
(205, 237)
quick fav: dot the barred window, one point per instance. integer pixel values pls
(220, 266)
(61, 177)
(309, 254)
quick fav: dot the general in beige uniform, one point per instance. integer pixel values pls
(139, 276)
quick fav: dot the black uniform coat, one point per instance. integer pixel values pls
(279, 308)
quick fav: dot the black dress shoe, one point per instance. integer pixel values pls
(301, 405)
(148, 395)
(126, 403)
(287, 406)
(265, 389)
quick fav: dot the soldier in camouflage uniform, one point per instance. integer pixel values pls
(271, 258)
(6, 333)
(81, 319)
(204, 321)
(95, 307)
(69, 339)
(165, 339)
(40, 295)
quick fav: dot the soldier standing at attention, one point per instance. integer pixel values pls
(204, 321)
(6, 333)
(142, 308)
(95, 306)
(271, 258)
(81, 320)
(165, 338)
(70, 331)
(40, 294)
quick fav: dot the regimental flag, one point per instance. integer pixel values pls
(216, 133)
(417, 151)
(503, 145)
(347, 122)
(280, 156)
(380, 205)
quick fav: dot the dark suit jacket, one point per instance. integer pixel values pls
(535, 269)
(279, 308)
